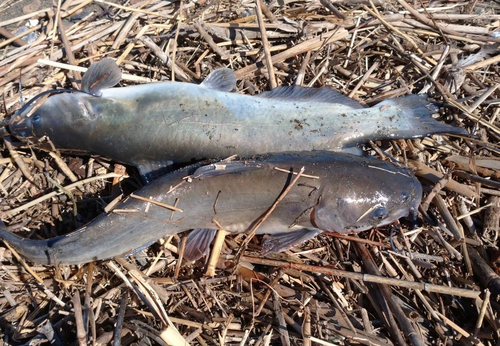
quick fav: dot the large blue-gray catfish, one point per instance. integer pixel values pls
(152, 125)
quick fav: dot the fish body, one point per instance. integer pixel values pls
(346, 193)
(152, 125)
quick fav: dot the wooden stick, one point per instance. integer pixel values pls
(218, 50)
(18, 160)
(16, 37)
(251, 231)
(483, 272)
(278, 310)
(265, 45)
(17, 41)
(117, 334)
(55, 193)
(311, 44)
(84, 69)
(482, 312)
(480, 64)
(81, 334)
(432, 24)
(366, 277)
(144, 199)
(365, 78)
(131, 9)
(434, 176)
(402, 320)
(26, 16)
(216, 251)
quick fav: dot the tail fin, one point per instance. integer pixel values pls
(415, 118)
(34, 250)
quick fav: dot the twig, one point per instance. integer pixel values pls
(435, 190)
(265, 45)
(284, 336)
(35, 275)
(63, 166)
(364, 78)
(434, 176)
(484, 273)
(366, 277)
(67, 49)
(482, 312)
(19, 161)
(131, 9)
(83, 69)
(431, 23)
(117, 334)
(19, 42)
(448, 218)
(406, 327)
(216, 251)
(300, 48)
(55, 193)
(163, 205)
(251, 232)
(268, 292)
(81, 334)
(459, 329)
(210, 41)
(160, 54)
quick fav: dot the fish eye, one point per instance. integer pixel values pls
(36, 120)
(380, 213)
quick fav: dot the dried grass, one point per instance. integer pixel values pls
(335, 289)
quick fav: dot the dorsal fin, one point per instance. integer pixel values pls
(305, 94)
(222, 79)
(101, 75)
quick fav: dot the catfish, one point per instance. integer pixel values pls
(338, 192)
(151, 126)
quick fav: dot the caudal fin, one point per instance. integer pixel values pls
(33, 250)
(414, 118)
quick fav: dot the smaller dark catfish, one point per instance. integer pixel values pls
(342, 193)
(152, 125)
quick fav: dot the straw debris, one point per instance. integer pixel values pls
(435, 284)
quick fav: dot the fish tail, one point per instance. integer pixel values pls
(415, 118)
(34, 250)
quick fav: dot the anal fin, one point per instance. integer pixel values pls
(198, 243)
(284, 241)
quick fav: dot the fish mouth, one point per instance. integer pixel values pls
(19, 127)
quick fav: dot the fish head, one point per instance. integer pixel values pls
(370, 200)
(58, 117)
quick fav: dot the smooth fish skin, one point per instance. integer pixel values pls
(348, 194)
(151, 125)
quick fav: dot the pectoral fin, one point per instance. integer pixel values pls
(198, 243)
(222, 79)
(101, 75)
(284, 241)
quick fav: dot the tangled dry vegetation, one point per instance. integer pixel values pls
(437, 284)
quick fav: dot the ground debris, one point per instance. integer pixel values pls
(434, 284)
